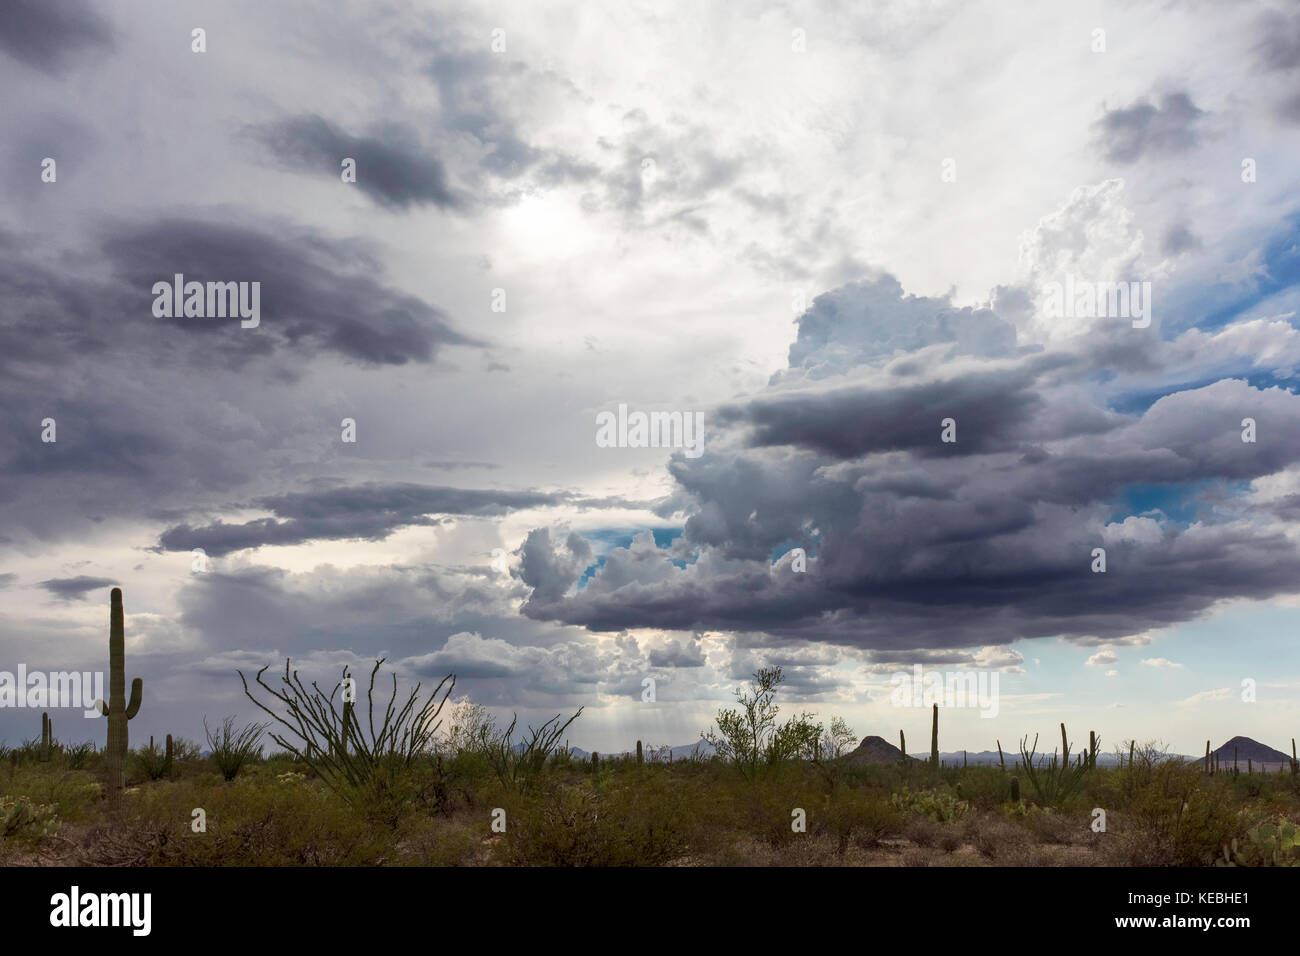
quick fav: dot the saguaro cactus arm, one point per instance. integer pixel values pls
(137, 691)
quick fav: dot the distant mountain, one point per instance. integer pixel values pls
(682, 752)
(877, 750)
(1247, 749)
(989, 758)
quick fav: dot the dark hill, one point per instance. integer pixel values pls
(875, 750)
(1248, 749)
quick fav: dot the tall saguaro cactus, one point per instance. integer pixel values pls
(118, 710)
(47, 736)
(934, 738)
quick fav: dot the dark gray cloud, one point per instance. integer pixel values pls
(991, 411)
(370, 512)
(1179, 238)
(1278, 47)
(316, 294)
(392, 167)
(50, 34)
(76, 588)
(1144, 129)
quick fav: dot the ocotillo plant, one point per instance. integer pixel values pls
(1055, 781)
(1092, 749)
(1001, 760)
(934, 737)
(118, 710)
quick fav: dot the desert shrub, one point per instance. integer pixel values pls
(152, 762)
(185, 750)
(634, 825)
(950, 838)
(859, 817)
(1179, 818)
(253, 823)
(74, 794)
(998, 839)
(923, 830)
(78, 756)
(939, 805)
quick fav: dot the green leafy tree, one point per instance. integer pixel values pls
(751, 738)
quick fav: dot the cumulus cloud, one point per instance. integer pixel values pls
(917, 543)
(1103, 659)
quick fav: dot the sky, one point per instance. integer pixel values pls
(822, 230)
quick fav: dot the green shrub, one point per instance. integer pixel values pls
(78, 756)
(939, 805)
(645, 825)
(151, 762)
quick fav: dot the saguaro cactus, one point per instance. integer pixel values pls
(902, 746)
(118, 710)
(1015, 789)
(639, 758)
(47, 735)
(1207, 756)
(934, 737)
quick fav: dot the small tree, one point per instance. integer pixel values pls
(839, 740)
(469, 727)
(751, 737)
